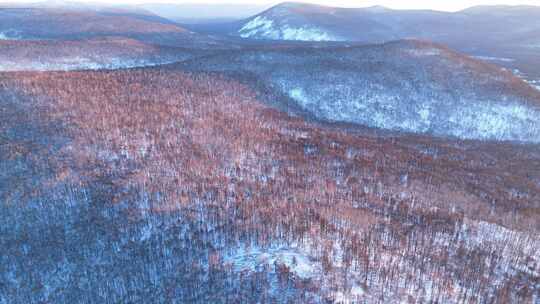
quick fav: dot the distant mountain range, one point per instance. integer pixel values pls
(506, 35)
(492, 24)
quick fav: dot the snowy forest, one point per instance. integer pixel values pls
(230, 170)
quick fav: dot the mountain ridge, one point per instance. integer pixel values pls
(408, 85)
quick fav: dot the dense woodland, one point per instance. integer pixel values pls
(409, 85)
(87, 54)
(162, 186)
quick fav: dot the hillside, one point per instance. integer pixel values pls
(409, 86)
(299, 21)
(157, 186)
(506, 35)
(96, 53)
(306, 22)
(277, 159)
(65, 23)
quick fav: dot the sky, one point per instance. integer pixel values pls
(443, 5)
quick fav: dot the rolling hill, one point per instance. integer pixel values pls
(66, 23)
(505, 35)
(94, 53)
(410, 86)
(154, 185)
(299, 21)
(141, 162)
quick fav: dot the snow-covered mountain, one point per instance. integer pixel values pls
(290, 21)
(410, 86)
(306, 22)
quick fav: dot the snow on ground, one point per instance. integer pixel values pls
(78, 63)
(305, 34)
(304, 261)
(534, 83)
(253, 258)
(424, 52)
(264, 28)
(465, 120)
(10, 35)
(260, 26)
(489, 58)
(348, 298)
(299, 95)
(521, 252)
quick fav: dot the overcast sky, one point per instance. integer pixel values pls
(446, 5)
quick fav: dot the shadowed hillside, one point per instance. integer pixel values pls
(409, 86)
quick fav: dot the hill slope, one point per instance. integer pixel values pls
(297, 21)
(64, 23)
(409, 86)
(95, 53)
(157, 186)
(506, 35)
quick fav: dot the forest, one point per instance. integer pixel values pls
(301, 154)
(186, 187)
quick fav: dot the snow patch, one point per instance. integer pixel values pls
(350, 297)
(79, 63)
(534, 83)
(465, 120)
(264, 28)
(9, 35)
(424, 52)
(260, 26)
(305, 34)
(254, 258)
(299, 95)
(489, 58)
